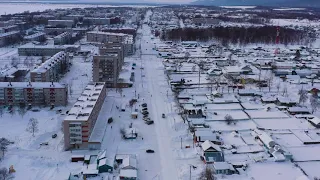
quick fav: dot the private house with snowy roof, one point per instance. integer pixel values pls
(211, 153)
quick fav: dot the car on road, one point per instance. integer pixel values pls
(163, 116)
(44, 144)
(54, 136)
(149, 122)
(149, 151)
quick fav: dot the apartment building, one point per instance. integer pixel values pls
(40, 36)
(106, 68)
(63, 38)
(82, 117)
(96, 21)
(117, 38)
(104, 37)
(33, 93)
(9, 38)
(52, 69)
(45, 50)
(62, 23)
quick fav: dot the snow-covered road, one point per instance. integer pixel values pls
(157, 86)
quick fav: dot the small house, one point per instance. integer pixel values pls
(284, 101)
(211, 153)
(223, 168)
(206, 134)
(128, 174)
(105, 165)
(88, 173)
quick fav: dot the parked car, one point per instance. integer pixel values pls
(146, 119)
(145, 109)
(145, 115)
(54, 135)
(144, 105)
(44, 144)
(163, 116)
(145, 112)
(149, 151)
(149, 122)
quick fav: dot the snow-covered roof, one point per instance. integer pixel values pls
(262, 114)
(50, 63)
(208, 144)
(129, 163)
(82, 109)
(298, 109)
(107, 33)
(130, 173)
(222, 166)
(8, 33)
(105, 161)
(35, 35)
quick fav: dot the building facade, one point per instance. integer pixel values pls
(81, 119)
(9, 38)
(40, 36)
(45, 50)
(52, 69)
(63, 38)
(105, 37)
(37, 93)
(62, 23)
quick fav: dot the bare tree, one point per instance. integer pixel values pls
(1, 111)
(32, 126)
(229, 119)
(303, 96)
(285, 90)
(278, 87)
(22, 110)
(270, 82)
(4, 143)
(314, 102)
(207, 174)
(120, 90)
(14, 61)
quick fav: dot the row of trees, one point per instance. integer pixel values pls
(239, 35)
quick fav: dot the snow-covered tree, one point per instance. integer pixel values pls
(32, 126)
(22, 110)
(4, 174)
(4, 145)
(314, 102)
(228, 118)
(303, 96)
(207, 174)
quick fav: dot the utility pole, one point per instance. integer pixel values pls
(181, 143)
(190, 171)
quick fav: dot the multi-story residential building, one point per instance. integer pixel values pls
(56, 31)
(105, 37)
(63, 38)
(106, 68)
(45, 50)
(52, 69)
(40, 36)
(113, 48)
(6, 23)
(9, 29)
(96, 21)
(9, 38)
(62, 23)
(82, 117)
(36, 93)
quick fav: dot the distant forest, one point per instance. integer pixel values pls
(240, 35)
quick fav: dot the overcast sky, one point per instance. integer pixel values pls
(152, 1)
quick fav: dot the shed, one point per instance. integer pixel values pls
(105, 165)
(134, 115)
(223, 168)
(298, 110)
(128, 174)
(87, 159)
(129, 163)
(88, 173)
(76, 158)
(315, 121)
